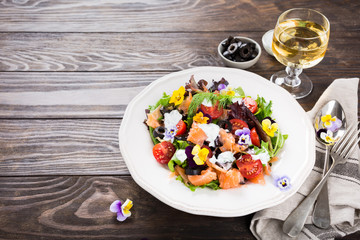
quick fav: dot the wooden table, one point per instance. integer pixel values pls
(67, 71)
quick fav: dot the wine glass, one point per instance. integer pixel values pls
(300, 40)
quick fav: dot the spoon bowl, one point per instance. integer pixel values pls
(336, 126)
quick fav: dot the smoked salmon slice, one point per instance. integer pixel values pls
(196, 135)
(228, 141)
(206, 177)
(152, 118)
(230, 179)
(184, 106)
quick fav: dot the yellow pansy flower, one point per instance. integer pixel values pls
(178, 96)
(200, 155)
(269, 128)
(327, 119)
(126, 207)
(199, 118)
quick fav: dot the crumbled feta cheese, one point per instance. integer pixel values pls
(206, 103)
(212, 132)
(264, 157)
(180, 155)
(172, 118)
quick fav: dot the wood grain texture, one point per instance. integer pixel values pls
(68, 52)
(104, 94)
(162, 15)
(78, 208)
(60, 147)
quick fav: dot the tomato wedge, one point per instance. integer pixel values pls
(213, 111)
(248, 167)
(237, 124)
(254, 137)
(250, 104)
(181, 128)
(163, 152)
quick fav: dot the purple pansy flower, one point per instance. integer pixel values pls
(221, 87)
(283, 183)
(122, 210)
(170, 133)
(190, 158)
(244, 136)
(335, 125)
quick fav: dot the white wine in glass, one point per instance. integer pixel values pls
(300, 41)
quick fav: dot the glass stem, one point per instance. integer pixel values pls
(292, 79)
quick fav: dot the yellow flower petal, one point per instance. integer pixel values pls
(203, 154)
(126, 207)
(269, 128)
(178, 96)
(199, 118)
(195, 150)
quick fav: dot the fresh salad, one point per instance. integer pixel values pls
(213, 135)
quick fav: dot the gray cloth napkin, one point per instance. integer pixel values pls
(343, 183)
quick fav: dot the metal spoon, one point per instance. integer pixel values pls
(321, 213)
(296, 220)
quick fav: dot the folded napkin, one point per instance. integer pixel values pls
(343, 183)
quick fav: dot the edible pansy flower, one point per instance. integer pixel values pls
(331, 123)
(227, 91)
(178, 96)
(122, 210)
(200, 154)
(244, 136)
(170, 133)
(269, 127)
(326, 136)
(200, 118)
(221, 87)
(283, 183)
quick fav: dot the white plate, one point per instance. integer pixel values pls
(296, 159)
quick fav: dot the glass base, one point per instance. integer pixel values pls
(298, 88)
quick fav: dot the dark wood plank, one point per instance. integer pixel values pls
(60, 147)
(78, 208)
(162, 16)
(147, 51)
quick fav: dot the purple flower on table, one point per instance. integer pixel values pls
(122, 210)
(283, 183)
(170, 133)
(244, 136)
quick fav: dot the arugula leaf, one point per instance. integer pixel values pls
(179, 144)
(240, 92)
(163, 101)
(264, 108)
(155, 141)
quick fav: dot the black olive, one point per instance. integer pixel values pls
(193, 171)
(164, 110)
(232, 48)
(226, 54)
(159, 132)
(245, 51)
(225, 125)
(239, 43)
(181, 137)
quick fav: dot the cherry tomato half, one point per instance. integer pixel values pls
(213, 111)
(250, 104)
(181, 128)
(163, 152)
(254, 137)
(248, 167)
(237, 124)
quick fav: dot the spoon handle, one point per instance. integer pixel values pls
(294, 223)
(321, 214)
